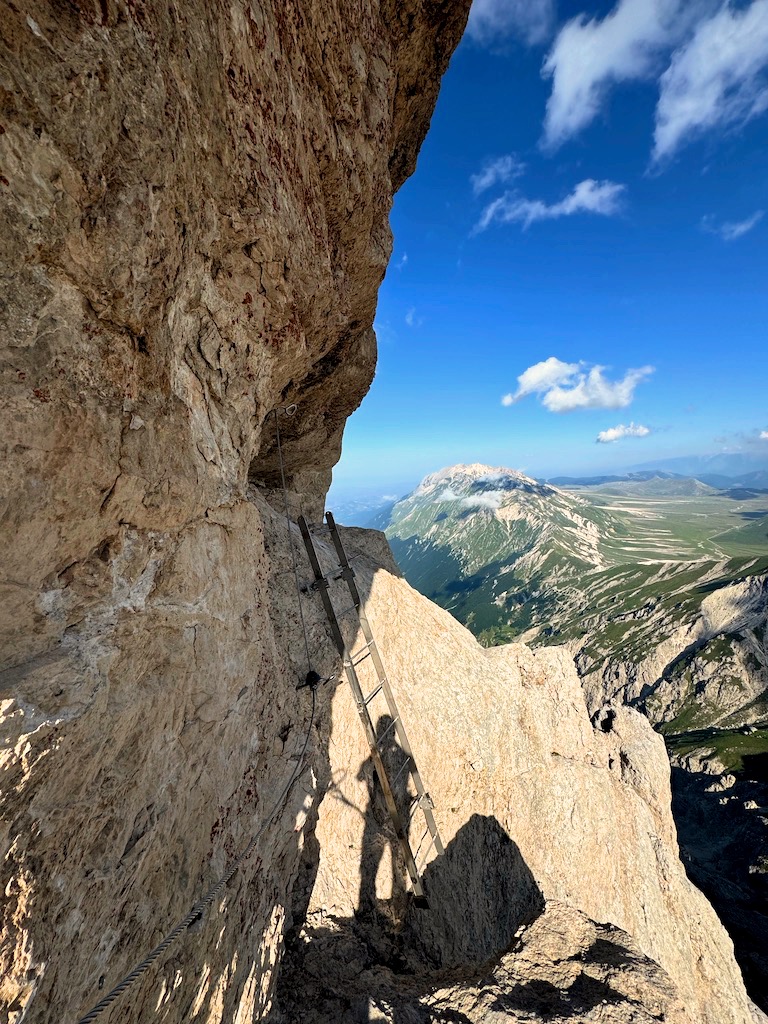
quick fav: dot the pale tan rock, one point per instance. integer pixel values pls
(560, 811)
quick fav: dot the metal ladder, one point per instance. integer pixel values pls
(415, 863)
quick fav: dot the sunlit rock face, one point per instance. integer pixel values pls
(194, 201)
(194, 205)
(561, 895)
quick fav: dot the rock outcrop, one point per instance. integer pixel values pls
(551, 824)
(194, 204)
(194, 226)
(711, 670)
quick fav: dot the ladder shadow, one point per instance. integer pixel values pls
(379, 836)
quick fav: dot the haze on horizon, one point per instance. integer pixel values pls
(578, 277)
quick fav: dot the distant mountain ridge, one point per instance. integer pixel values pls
(756, 481)
(733, 465)
(614, 578)
(596, 481)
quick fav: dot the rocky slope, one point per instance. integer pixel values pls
(551, 824)
(194, 226)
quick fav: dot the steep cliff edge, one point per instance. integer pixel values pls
(551, 824)
(194, 201)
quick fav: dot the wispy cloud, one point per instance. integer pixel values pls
(718, 78)
(730, 230)
(621, 431)
(447, 494)
(497, 172)
(493, 22)
(589, 196)
(747, 441)
(710, 59)
(411, 319)
(485, 499)
(564, 387)
(590, 55)
(402, 261)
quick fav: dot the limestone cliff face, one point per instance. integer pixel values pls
(194, 226)
(551, 824)
(194, 205)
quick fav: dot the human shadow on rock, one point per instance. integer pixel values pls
(379, 834)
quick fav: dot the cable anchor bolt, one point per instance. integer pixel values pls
(313, 680)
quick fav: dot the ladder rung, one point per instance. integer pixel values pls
(404, 765)
(426, 854)
(367, 700)
(346, 611)
(361, 660)
(391, 725)
(359, 650)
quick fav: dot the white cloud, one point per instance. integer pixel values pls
(593, 391)
(493, 21)
(486, 499)
(542, 377)
(730, 230)
(591, 55)
(589, 196)
(496, 172)
(716, 79)
(764, 435)
(447, 494)
(567, 386)
(402, 261)
(622, 430)
(411, 319)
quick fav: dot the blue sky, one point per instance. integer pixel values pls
(581, 252)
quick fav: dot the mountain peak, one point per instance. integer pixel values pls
(469, 473)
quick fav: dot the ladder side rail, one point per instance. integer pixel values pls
(348, 573)
(322, 585)
(367, 632)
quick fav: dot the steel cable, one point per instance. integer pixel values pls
(201, 906)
